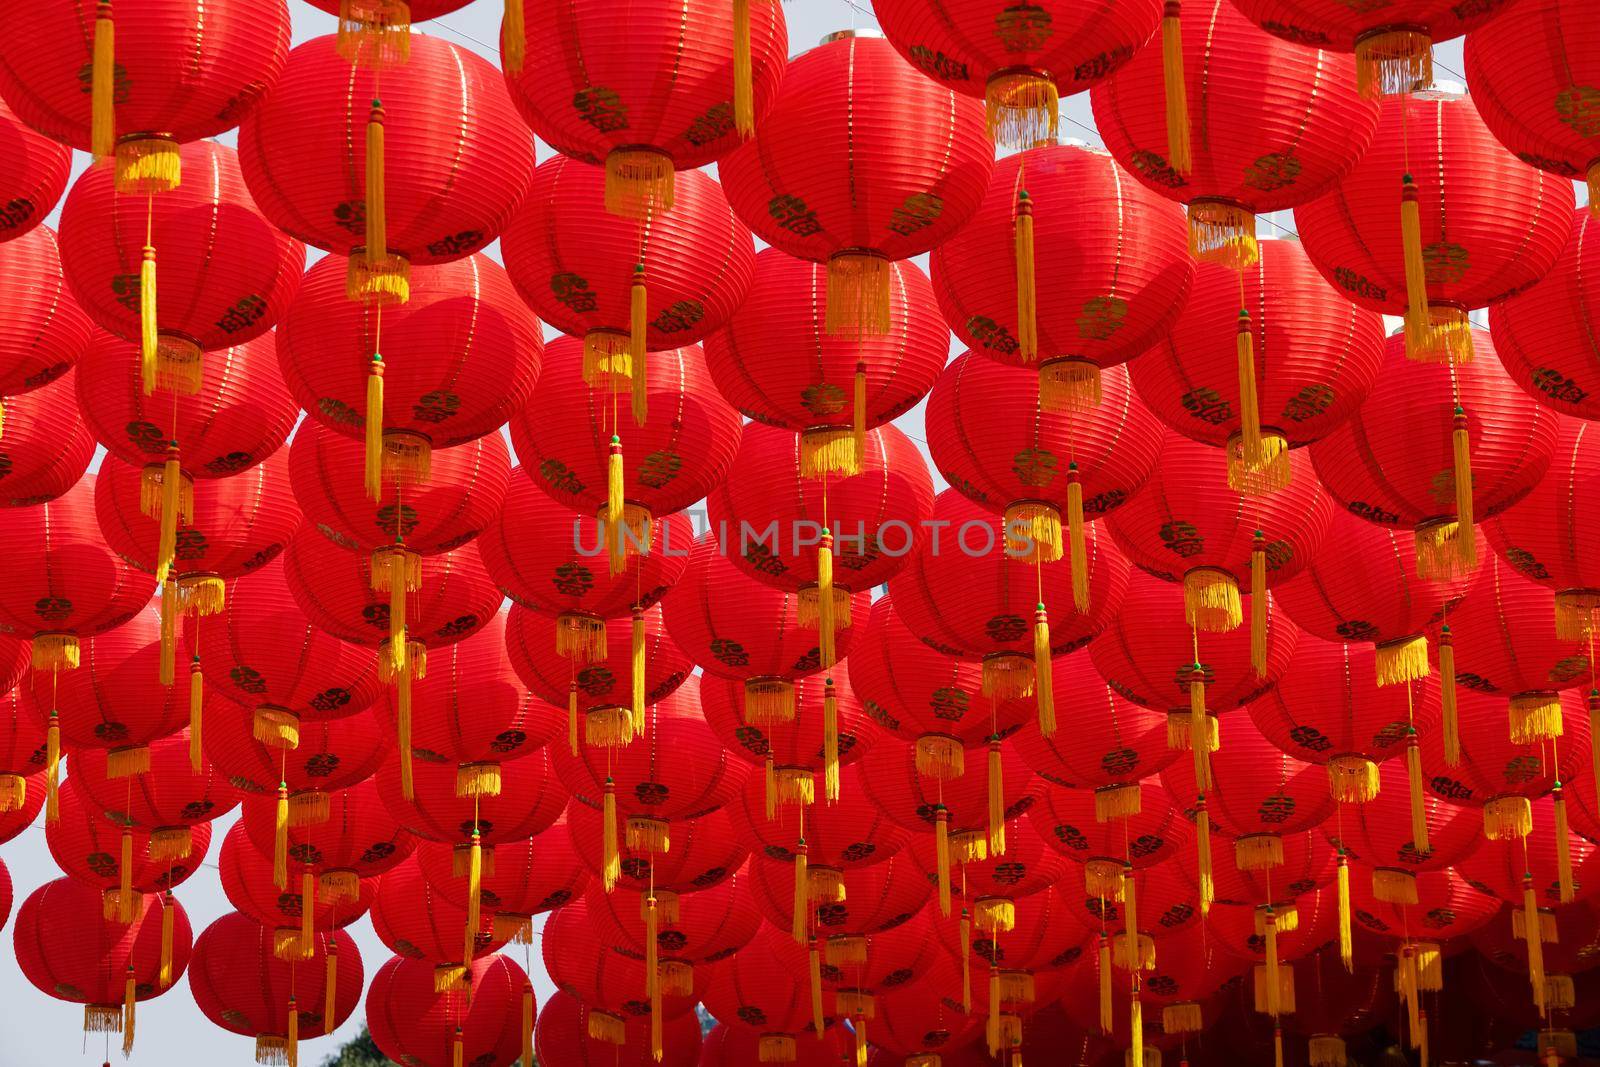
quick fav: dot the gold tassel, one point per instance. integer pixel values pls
(1419, 813)
(513, 50)
(858, 296)
(1258, 852)
(1027, 299)
(830, 742)
(52, 770)
(171, 488)
(1180, 155)
(616, 537)
(776, 1048)
(197, 696)
(527, 994)
(458, 1051)
(1199, 727)
(149, 339)
(815, 962)
(1077, 547)
(127, 900)
(941, 847)
(1507, 817)
(639, 182)
(102, 86)
(1533, 937)
(1136, 1029)
(13, 792)
(1130, 915)
(1461, 452)
(1450, 723)
(1394, 887)
(744, 108)
(1346, 947)
(637, 671)
(1117, 802)
(474, 896)
(1327, 1051)
(479, 780)
(164, 977)
(1211, 600)
(1416, 267)
(1274, 975)
(1258, 605)
(858, 417)
(966, 962)
(130, 997)
(825, 605)
(1033, 532)
(997, 804)
(1404, 660)
(1535, 717)
(1043, 689)
(167, 667)
(993, 1027)
(1106, 1021)
(374, 428)
(1422, 1038)
(652, 972)
(275, 727)
(1249, 402)
(1186, 1018)
(308, 913)
(1202, 829)
(611, 860)
(396, 563)
(403, 741)
(1353, 779)
(772, 788)
(800, 917)
(940, 756)
(1022, 108)
(1563, 847)
(572, 717)
(1390, 62)
(377, 235)
(1222, 233)
(280, 839)
(638, 315)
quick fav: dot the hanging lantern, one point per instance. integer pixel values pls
(411, 1021)
(766, 980)
(908, 1022)
(376, 34)
(1400, 460)
(531, 798)
(694, 930)
(1447, 905)
(359, 840)
(1560, 864)
(564, 1036)
(1112, 256)
(847, 385)
(1540, 334)
(518, 880)
(1462, 248)
(413, 920)
(1304, 924)
(44, 330)
(170, 801)
(343, 166)
(1308, 865)
(840, 838)
(34, 177)
(1231, 152)
(705, 851)
(1110, 835)
(987, 887)
(849, 902)
(246, 875)
(870, 192)
(45, 445)
(24, 749)
(87, 846)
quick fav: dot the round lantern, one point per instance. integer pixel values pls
(705, 851)
(241, 986)
(376, 34)
(924, 696)
(1571, 952)
(247, 880)
(862, 161)
(1446, 905)
(1475, 226)
(625, 291)
(35, 175)
(967, 595)
(1435, 450)
(1344, 1001)
(89, 847)
(1308, 865)
(1137, 830)
(1240, 152)
(106, 966)
(1314, 357)
(646, 90)
(1541, 334)
(908, 1022)
(530, 800)
(738, 1042)
(136, 80)
(1013, 466)
(764, 986)
(563, 1036)
(988, 887)
(1304, 924)
(1190, 525)
(1553, 864)
(44, 330)
(488, 1021)
(46, 445)
(839, 838)
(429, 166)
(845, 384)
(170, 800)
(702, 928)
(414, 921)
(1112, 256)
(449, 366)
(1022, 61)
(857, 970)
(581, 452)
(66, 582)
(23, 747)
(875, 899)
(228, 273)
(518, 879)
(360, 838)
(332, 756)
(1369, 590)
(24, 803)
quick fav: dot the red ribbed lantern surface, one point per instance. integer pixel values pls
(765, 986)
(246, 875)
(1447, 906)
(525, 878)
(530, 800)
(562, 1036)
(1239, 930)
(43, 331)
(33, 177)
(705, 851)
(1543, 336)
(709, 925)
(46, 445)
(1150, 833)
(360, 838)
(413, 920)
(86, 845)
(605, 682)
(1377, 835)
(331, 756)
(411, 1023)
(582, 960)
(168, 800)
(23, 752)
(796, 743)
(1021, 59)
(845, 836)
(861, 161)
(1110, 257)
(1308, 864)
(457, 157)
(890, 779)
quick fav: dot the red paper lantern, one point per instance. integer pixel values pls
(1232, 151)
(1345, 1001)
(46, 446)
(86, 845)
(1308, 864)
(1576, 930)
(736, 1043)
(66, 582)
(705, 851)
(861, 161)
(170, 800)
(842, 837)
(1317, 355)
(910, 1022)
(23, 748)
(44, 330)
(1112, 253)
(890, 779)
(1377, 835)
(1312, 921)
(796, 744)
(360, 839)
(23, 815)
(1020, 60)
(1140, 831)
(1042, 939)
(520, 879)
(1447, 906)
(532, 640)
(414, 921)
(1541, 334)
(765, 986)
(456, 157)
(413, 1023)
(876, 899)
(1394, 462)
(225, 273)
(242, 987)
(95, 966)
(563, 1036)
(1029, 865)
(1190, 970)
(1490, 225)
(530, 800)
(35, 175)
(1036, 470)
(582, 268)
(647, 90)
(753, 357)
(905, 955)
(456, 360)
(708, 926)
(179, 73)
(332, 756)
(581, 961)
(1506, 868)
(246, 875)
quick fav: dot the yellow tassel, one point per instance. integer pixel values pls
(794, 786)
(1130, 912)
(1404, 660)
(1136, 1030)
(1211, 600)
(1422, 1039)
(1575, 613)
(1202, 828)
(861, 1042)
(1416, 266)
(1560, 994)
(1419, 813)
(1274, 975)
(1533, 938)
(858, 293)
(513, 50)
(374, 428)
(800, 917)
(1258, 605)
(403, 741)
(377, 235)
(1258, 852)
(1106, 1021)
(1027, 299)
(1222, 233)
(171, 483)
(102, 85)
(776, 1048)
(397, 564)
(1444, 337)
(308, 912)
(1022, 108)
(826, 613)
(280, 839)
(1249, 403)
(149, 339)
(997, 804)
(858, 417)
(639, 182)
(1069, 385)
(652, 973)
(1043, 690)
(1534, 718)
(197, 697)
(164, 977)
(637, 324)
(130, 997)
(1033, 532)
(1117, 802)
(128, 762)
(1326, 1051)
(127, 900)
(1390, 62)
(1563, 847)
(815, 962)
(1077, 546)
(1462, 454)
(616, 536)
(941, 847)
(966, 962)
(1353, 779)
(1346, 946)
(1450, 723)
(637, 670)
(744, 108)
(611, 859)
(474, 896)
(479, 780)
(330, 986)
(940, 756)
(572, 717)
(1507, 817)
(13, 792)
(1394, 887)
(1199, 727)
(52, 770)
(830, 742)
(772, 788)
(1180, 156)
(527, 994)
(993, 1027)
